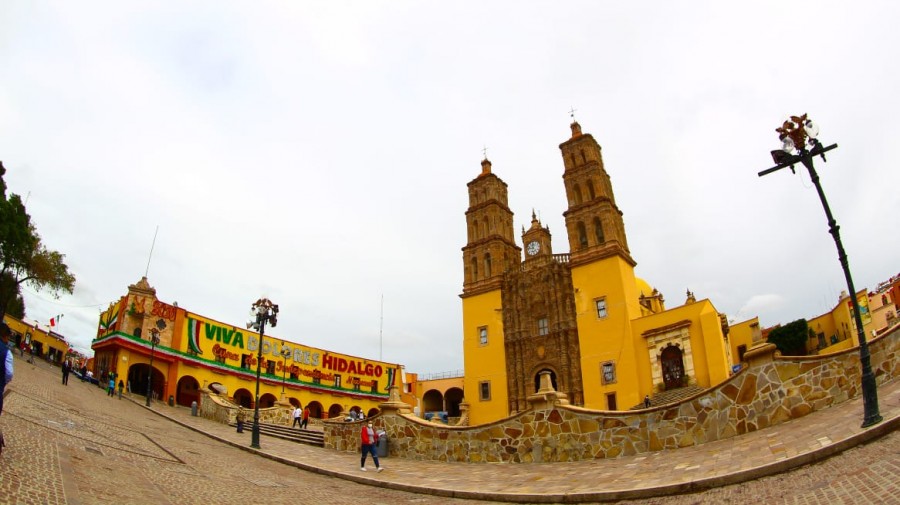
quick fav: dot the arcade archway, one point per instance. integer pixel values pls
(138, 376)
(187, 391)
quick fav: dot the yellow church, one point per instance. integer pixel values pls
(605, 335)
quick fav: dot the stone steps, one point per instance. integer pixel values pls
(670, 396)
(309, 437)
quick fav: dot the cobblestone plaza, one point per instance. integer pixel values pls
(74, 444)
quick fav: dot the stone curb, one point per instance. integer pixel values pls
(872, 433)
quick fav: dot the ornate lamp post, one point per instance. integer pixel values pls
(796, 133)
(261, 312)
(154, 341)
(285, 353)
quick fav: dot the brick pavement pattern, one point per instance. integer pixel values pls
(73, 444)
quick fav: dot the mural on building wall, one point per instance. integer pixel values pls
(109, 319)
(235, 347)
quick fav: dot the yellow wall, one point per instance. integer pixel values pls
(607, 339)
(745, 333)
(31, 334)
(484, 362)
(226, 354)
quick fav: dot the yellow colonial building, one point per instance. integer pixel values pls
(605, 335)
(197, 352)
(45, 344)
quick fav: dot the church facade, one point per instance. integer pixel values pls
(604, 334)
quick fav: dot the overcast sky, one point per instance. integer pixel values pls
(318, 153)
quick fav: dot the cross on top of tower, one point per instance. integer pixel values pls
(484, 150)
(572, 113)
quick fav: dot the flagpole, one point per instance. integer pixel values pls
(151, 251)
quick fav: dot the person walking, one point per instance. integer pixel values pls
(304, 418)
(66, 368)
(369, 439)
(647, 402)
(296, 415)
(111, 386)
(121, 388)
(6, 368)
(239, 419)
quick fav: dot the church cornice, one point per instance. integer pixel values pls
(597, 253)
(666, 329)
(488, 203)
(487, 240)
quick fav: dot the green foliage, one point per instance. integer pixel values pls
(23, 258)
(791, 338)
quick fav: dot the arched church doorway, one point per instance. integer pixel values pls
(537, 379)
(188, 391)
(672, 367)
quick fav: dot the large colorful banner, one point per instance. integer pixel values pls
(233, 346)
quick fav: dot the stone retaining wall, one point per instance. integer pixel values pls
(221, 409)
(771, 390)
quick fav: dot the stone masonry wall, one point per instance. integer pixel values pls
(770, 391)
(217, 408)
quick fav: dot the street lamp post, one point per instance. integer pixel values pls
(796, 133)
(261, 312)
(154, 341)
(285, 353)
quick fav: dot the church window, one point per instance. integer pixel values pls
(598, 230)
(474, 269)
(590, 187)
(577, 192)
(582, 235)
(484, 391)
(487, 265)
(482, 335)
(475, 229)
(601, 307)
(484, 229)
(608, 372)
(543, 327)
(583, 157)
(572, 158)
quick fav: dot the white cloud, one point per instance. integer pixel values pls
(320, 153)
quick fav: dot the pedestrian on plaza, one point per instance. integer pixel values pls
(121, 388)
(6, 360)
(296, 415)
(66, 368)
(83, 373)
(362, 417)
(369, 439)
(239, 420)
(6, 368)
(646, 401)
(304, 419)
(111, 386)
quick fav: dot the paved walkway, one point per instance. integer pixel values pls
(74, 445)
(761, 453)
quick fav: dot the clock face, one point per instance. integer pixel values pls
(533, 247)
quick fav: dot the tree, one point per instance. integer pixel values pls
(790, 339)
(23, 257)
